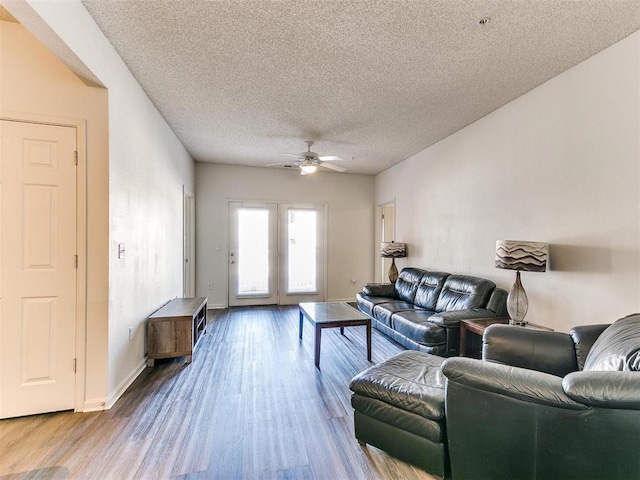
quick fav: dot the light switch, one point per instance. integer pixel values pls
(121, 250)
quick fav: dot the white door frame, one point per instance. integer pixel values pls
(382, 264)
(188, 244)
(81, 235)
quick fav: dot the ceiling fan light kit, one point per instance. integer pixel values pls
(309, 161)
(308, 167)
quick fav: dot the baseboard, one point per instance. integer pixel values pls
(95, 405)
(350, 299)
(126, 383)
(216, 307)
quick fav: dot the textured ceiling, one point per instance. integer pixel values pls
(375, 81)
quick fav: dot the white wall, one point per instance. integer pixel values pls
(148, 167)
(560, 164)
(350, 220)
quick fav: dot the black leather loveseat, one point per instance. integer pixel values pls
(423, 309)
(547, 405)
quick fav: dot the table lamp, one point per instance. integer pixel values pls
(520, 256)
(393, 250)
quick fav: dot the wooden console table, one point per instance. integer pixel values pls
(175, 329)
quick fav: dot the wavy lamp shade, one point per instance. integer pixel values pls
(393, 250)
(520, 256)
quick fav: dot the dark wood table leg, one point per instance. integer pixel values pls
(369, 341)
(301, 320)
(463, 338)
(318, 340)
(341, 330)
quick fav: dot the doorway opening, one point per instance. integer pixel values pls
(386, 232)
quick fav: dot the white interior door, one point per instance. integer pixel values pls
(253, 254)
(303, 254)
(38, 268)
(188, 245)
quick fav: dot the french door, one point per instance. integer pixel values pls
(276, 253)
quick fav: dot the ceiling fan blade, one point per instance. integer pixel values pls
(297, 155)
(330, 158)
(278, 164)
(331, 166)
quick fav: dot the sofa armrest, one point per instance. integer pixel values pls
(519, 383)
(452, 318)
(584, 336)
(604, 389)
(548, 352)
(379, 290)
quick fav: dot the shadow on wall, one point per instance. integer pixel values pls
(580, 258)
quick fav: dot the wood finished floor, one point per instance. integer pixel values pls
(251, 405)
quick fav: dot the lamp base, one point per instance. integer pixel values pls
(517, 323)
(517, 302)
(393, 271)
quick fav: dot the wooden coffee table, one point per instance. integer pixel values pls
(332, 315)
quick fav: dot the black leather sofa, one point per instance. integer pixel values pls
(423, 309)
(547, 405)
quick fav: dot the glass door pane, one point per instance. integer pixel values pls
(302, 241)
(253, 254)
(302, 254)
(253, 251)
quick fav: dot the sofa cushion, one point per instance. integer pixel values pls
(407, 283)
(416, 326)
(429, 289)
(617, 348)
(379, 290)
(383, 311)
(367, 302)
(461, 292)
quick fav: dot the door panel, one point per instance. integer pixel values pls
(38, 274)
(253, 254)
(302, 246)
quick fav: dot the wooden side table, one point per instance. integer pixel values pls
(479, 325)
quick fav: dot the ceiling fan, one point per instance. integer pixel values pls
(309, 161)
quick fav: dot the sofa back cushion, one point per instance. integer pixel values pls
(429, 289)
(617, 348)
(407, 283)
(461, 292)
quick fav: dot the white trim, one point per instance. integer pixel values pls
(95, 405)
(126, 383)
(217, 306)
(81, 236)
